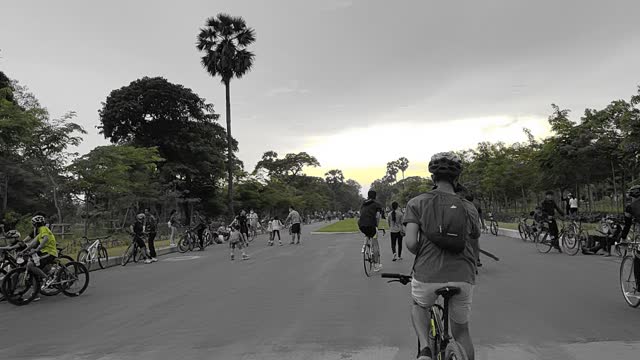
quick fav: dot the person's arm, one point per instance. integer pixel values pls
(412, 238)
(389, 220)
(44, 240)
(628, 221)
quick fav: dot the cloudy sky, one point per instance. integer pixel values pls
(355, 83)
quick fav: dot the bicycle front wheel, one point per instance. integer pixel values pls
(543, 242)
(523, 231)
(75, 279)
(20, 286)
(571, 243)
(128, 254)
(83, 257)
(629, 282)
(183, 245)
(454, 351)
(494, 228)
(103, 257)
(368, 261)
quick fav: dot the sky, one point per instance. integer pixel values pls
(356, 83)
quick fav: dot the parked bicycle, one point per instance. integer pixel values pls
(94, 252)
(527, 229)
(188, 241)
(443, 345)
(23, 284)
(574, 238)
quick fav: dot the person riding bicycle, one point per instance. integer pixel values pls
(549, 208)
(200, 225)
(631, 215)
(370, 213)
(43, 244)
(440, 228)
(138, 236)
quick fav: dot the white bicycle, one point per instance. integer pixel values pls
(96, 252)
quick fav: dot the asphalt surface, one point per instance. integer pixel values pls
(313, 301)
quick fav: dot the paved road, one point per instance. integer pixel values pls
(313, 302)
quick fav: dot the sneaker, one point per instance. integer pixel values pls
(246, 257)
(395, 257)
(377, 267)
(280, 243)
(362, 249)
(399, 257)
(291, 243)
(154, 259)
(147, 261)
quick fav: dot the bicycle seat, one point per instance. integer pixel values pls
(448, 291)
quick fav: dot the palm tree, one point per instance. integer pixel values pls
(224, 42)
(403, 165)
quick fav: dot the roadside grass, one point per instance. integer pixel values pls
(348, 225)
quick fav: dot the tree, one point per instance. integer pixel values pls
(152, 112)
(402, 164)
(287, 168)
(334, 176)
(392, 170)
(224, 41)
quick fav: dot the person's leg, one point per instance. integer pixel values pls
(636, 273)
(172, 236)
(375, 246)
(459, 316)
(424, 297)
(394, 238)
(152, 245)
(461, 334)
(400, 246)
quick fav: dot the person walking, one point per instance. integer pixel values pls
(295, 220)
(396, 229)
(573, 206)
(173, 227)
(151, 228)
(276, 225)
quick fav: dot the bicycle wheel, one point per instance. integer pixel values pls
(543, 242)
(83, 257)
(75, 279)
(571, 243)
(628, 282)
(3, 273)
(128, 254)
(207, 239)
(20, 286)
(368, 260)
(103, 257)
(183, 244)
(63, 259)
(54, 288)
(494, 227)
(454, 351)
(522, 230)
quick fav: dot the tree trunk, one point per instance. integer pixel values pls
(524, 200)
(615, 190)
(229, 149)
(55, 199)
(6, 193)
(86, 213)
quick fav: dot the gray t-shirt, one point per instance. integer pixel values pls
(433, 264)
(294, 217)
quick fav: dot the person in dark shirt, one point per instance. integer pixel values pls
(138, 233)
(200, 224)
(370, 213)
(549, 208)
(151, 228)
(631, 214)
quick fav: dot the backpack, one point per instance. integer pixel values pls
(446, 222)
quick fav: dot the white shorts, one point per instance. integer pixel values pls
(424, 295)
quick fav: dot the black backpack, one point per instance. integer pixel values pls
(446, 222)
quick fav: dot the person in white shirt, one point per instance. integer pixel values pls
(275, 225)
(573, 206)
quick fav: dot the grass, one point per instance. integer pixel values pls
(115, 251)
(348, 225)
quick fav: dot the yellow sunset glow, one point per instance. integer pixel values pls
(362, 153)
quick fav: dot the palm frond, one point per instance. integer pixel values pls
(242, 63)
(238, 23)
(246, 37)
(212, 22)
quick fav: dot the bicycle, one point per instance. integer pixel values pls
(188, 241)
(23, 284)
(630, 283)
(574, 238)
(493, 224)
(94, 252)
(443, 345)
(133, 252)
(527, 231)
(368, 255)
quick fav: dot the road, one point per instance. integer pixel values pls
(312, 301)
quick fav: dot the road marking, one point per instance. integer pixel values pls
(182, 258)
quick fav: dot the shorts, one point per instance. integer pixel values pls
(235, 245)
(424, 295)
(369, 231)
(573, 211)
(295, 228)
(45, 260)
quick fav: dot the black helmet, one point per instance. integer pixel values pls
(445, 163)
(634, 191)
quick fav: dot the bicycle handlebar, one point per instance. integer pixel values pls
(401, 278)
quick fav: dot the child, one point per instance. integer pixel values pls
(276, 225)
(270, 230)
(235, 240)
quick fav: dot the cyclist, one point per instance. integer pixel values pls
(43, 244)
(151, 228)
(370, 213)
(440, 228)
(631, 214)
(138, 233)
(200, 225)
(549, 208)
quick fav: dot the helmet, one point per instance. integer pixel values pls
(634, 191)
(37, 220)
(140, 216)
(445, 163)
(12, 234)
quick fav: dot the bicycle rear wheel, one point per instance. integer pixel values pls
(454, 351)
(367, 260)
(74, 278)
(523, 231)
(571, 243)
(543, 242)
(494, 227)
(3, 273)
(628, 282)
(103, 257)
(183, 244)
